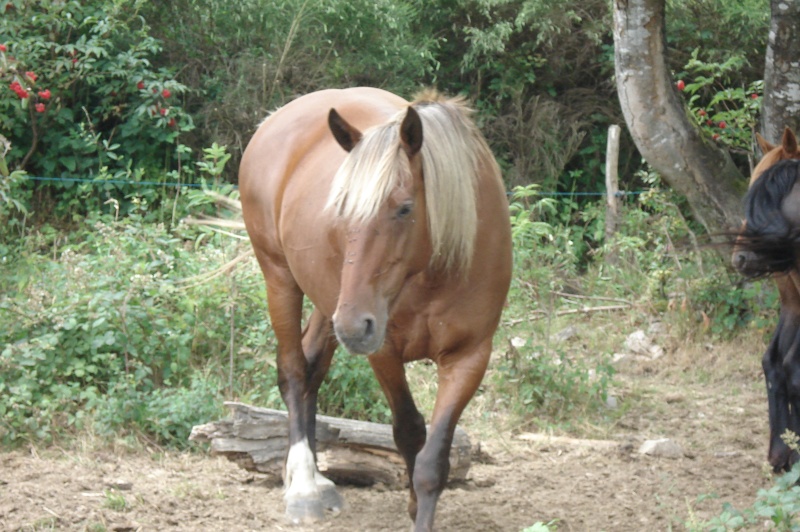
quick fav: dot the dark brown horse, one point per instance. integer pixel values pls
(769, 243)
(391, 217)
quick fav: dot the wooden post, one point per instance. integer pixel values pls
(612, 187)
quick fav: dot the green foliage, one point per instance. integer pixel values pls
(12, 196)
(167, 414)
(115, 501)
(351, 390)
(536, 377)
(540, 381)
(85, 99)
(249, 57)
(779, 506)
(106, 104)
(717, 28)
(84, 318)
(727, 113)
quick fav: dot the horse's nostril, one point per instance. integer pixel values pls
(369, 327)
(739, 260)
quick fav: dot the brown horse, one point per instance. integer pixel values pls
(393, 220)
(768, 243)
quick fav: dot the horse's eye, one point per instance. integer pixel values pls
(403, 211)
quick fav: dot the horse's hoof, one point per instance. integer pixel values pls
(303, 511)
(331, 499)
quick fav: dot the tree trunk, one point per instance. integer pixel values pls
(659, 124)
(781, 104)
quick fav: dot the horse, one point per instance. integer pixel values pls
(392, 219)
(768, 244)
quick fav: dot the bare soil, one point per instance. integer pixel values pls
(721, 425)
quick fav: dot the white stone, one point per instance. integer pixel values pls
(663, 447)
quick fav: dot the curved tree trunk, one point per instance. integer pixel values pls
(781, 105)
(657, 119)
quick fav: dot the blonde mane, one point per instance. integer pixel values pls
(452, 149)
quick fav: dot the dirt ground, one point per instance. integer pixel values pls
(512, 484)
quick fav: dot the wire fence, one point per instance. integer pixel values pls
(619, 194)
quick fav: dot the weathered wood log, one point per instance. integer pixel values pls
(352, 452)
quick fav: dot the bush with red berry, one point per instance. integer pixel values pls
(78, 93)
(728, 115)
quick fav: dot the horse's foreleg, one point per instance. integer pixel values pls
(285, 299)
(460, 375)
(791, 377)
(319, 344)
(408, 425)
(777, 402)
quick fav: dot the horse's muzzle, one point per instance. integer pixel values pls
(743, 260)
(360, 334)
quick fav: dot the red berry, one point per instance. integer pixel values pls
(709, 122)
(74, 60)
(165, 93)
(18, 90)
(31, 76)
(681, 85)
(39, 107)
(3, 48)
(171, 122)
(163, 111)
(754, 96)
(45, 94)
(723, 125)
(715, 136)
(140, 85)
(702, 112)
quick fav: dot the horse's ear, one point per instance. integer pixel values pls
(345, 134)
(789, 141)
(411, 132)
(765, 146)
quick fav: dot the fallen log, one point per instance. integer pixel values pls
(351, 452)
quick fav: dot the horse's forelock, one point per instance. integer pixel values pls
(367, 175)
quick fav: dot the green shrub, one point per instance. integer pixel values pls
(775, 508)
(85, 100)
(164, 414)
(351, 390)
(113, 308)
(544, 382)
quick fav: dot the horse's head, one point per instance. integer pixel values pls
(379, 196)
(768, 240)
(408, 206)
